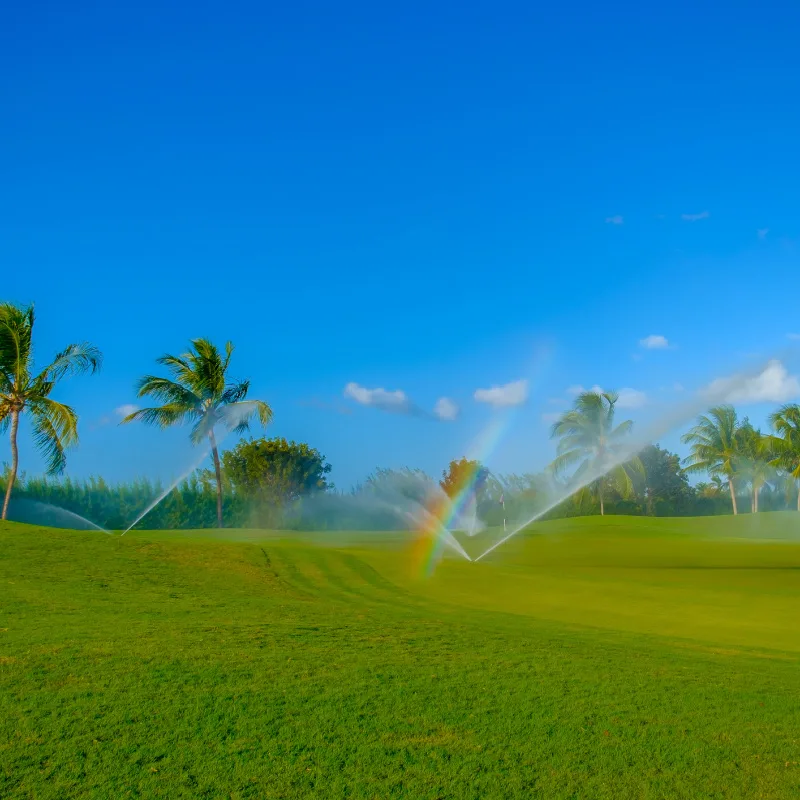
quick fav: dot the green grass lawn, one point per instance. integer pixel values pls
(615, 658)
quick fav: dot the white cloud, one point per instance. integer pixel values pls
(695, 217)
(550, 417)
(773, 385)
(793, 336)
(762, 233)
(615, 220)
(654, 342)
(124, 410)
(396, 401)
(445, 409)
(511, 394)
(574, 391)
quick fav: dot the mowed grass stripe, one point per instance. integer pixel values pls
(193, 669)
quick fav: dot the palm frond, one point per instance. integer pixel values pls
(168, 392)
(578, 477)
(208, 369)
(162, 417)
(235, 392)
(619, 477)
(238, 416)
(229, 348)
(563, 461)
(570, 423)
(178, 367)
(74, 359)
(55, 427)
(203, 427)
(622, 430)
(16, 343)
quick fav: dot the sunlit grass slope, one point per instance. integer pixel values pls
(616, 658)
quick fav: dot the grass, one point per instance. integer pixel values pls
(616, 658)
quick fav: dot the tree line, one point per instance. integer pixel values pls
(741, 461)
(197, 391)
(273, 483)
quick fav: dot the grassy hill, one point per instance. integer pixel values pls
(588, 658)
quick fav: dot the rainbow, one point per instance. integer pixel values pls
(433, 534)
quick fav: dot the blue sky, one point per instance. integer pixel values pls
(426, 198)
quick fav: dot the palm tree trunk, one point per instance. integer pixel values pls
(218, 475)
(12, 477)
(798, 498)
(602, 506)
(733, 495)
(756, 490)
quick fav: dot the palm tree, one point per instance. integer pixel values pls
(710, 490)
(22, 389)
(786, 444)
(757, 459)
(590, 439)
(716, 446)
(199, 392)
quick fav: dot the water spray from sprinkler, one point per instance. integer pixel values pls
(719, 391)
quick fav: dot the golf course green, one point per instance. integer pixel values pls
(614, 657)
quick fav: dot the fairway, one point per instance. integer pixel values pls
(591, 658)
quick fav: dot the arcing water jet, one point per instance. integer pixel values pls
(719, 391)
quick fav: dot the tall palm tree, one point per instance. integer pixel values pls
(589, 439)
(198, 391)
(786, 444)
(22, 389)
(757, 459)
(716, 446)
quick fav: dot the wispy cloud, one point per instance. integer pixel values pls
(395, 401)
(125, 409)
(445, 409)
(695, 217)
(617, 219)
(551, 416)
(575, 390)
(762, 233)
(398, 402)
(795, 337)
(773, 385)
(510, 394)
(654, 342)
